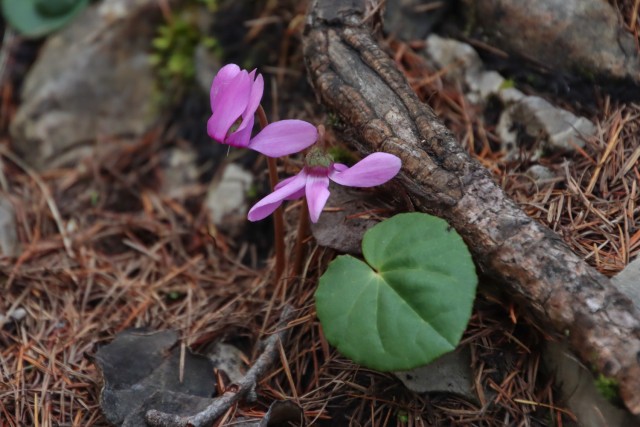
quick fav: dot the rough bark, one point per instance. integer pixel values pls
(355, 78)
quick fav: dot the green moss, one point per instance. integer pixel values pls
(334, 121)
(173, 50)
(608, 388)
(94, 198)
(341, 155)
(174, 47)
(508, 84)
(212, 5)
(252, 192)
(586, 73)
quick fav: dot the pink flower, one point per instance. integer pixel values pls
(235, 98)
(313, 181)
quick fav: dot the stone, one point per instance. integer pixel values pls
(180, 170)
(144, 369)
(207, 65)
(458, 58)
(524, 118)
(586, 37)
(91, 85)
(628, 281)
(463, 64)
(413, 19)
(8, 229)
(229, 359)
(579, 392)
(227, 198)
(16, 315)
(450, 373)
(576, 383)
(540, 173)
(343, 229)
(535, 119)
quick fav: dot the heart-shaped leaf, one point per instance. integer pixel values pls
(412, 301)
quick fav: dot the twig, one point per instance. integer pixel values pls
(278, 220)
(244, 386)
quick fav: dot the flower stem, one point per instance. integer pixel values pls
(303, 231)
(278, 221)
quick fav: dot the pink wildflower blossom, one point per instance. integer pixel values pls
(235, 98)
(313, 181)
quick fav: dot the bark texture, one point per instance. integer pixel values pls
(355, 78)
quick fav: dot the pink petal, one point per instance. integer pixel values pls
(229, 105)
(317, 190)
(242, 135)
(257, 89)
(221, 80)
(271, 202)
(286, 181)
(375, 169)
(284, 137)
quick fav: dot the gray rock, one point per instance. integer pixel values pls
(180, 171)
(584, 36)
(450, 373)
(535, 119)
(540, 173)
(92, 82)
(8, 232)
(229, 359)
(628, 281)
(343, 229)
(574, 380)
(17, 315)
(227, 198)
(463, 64)
(413, 19)
(460, 59)
(525, 117)
(578, 390)
(485, 84)
(207, 66)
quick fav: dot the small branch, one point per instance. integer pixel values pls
(221, 404)
(278, 219)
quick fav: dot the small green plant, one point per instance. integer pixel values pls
(508, 84)
(608, 388)
(212, 5)
(174, 48)
(334, 121)
(342, 155)
(407, 303)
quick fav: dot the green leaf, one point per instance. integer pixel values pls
(36, 18)
(409, 305)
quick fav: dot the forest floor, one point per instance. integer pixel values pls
(103, 249)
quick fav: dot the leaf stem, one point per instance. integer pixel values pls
(278, 220)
